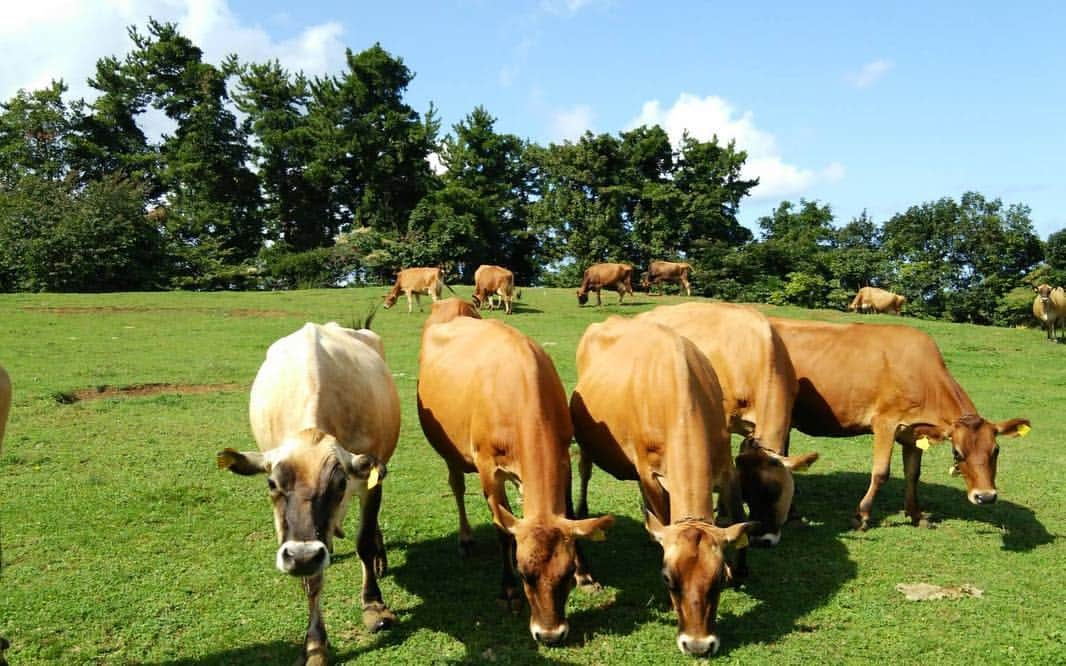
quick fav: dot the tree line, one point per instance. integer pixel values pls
(273, 179)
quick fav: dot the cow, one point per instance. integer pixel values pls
(667, 271)
(508, 422)
(872, 299)
(1049, 307)
(606, 276)
(890, 381)
(5, 408)
(325, 415)
(758, 389)
(492, 280)
(450, 308)
(657, 418)
(417, 281)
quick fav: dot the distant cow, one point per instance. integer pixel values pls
(326, 416)
(1049, 307)
(606, 276)
(5, 407)
(492, 280)
(872, 299)
(508, 422)
(648, 407)
(417, 281)
(758, 389)
(667, 271)
(891, 381)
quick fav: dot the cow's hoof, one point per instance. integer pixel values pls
(316, 657)
(376, 617)
(466, 548)
(860, 524)
(586, 582)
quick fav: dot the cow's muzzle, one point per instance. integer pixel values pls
(983, 497)
(303, 558)
(697, 647)
(552, 636)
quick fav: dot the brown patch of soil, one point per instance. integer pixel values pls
(113, 309)
(141, 390)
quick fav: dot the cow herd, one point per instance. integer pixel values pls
(657, 398)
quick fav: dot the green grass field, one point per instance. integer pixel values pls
(124, 544)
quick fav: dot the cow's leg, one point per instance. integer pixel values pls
(584, 473)
(599, 301)
(688, 287)
(912, 469)
(418, 299)
(510, 597)
(621, 293)
(410, 305)
(457, 481)
(315, 643)
(582, 573)
(731, 511)
(376, 616)
(884, 437)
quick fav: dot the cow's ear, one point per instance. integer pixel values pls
(799, 463)
(594, 529)
(661, 480)
(363, 466)
(1013, 428)
(654, 527)
(738, 532)
(248, 463)
(503, 518)
(925, 435)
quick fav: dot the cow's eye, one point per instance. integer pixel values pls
(958, 456)
(272, 485)
(671, 584)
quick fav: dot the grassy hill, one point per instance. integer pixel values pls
(123, 543)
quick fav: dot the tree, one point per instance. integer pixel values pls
(35, 135)
(1055, 256)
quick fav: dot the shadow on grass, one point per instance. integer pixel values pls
(832, 498)
(278, 652)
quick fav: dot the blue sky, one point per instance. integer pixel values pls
(852, 104)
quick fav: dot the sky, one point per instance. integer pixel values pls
(862, 106)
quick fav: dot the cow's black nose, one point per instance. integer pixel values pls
(985, 498)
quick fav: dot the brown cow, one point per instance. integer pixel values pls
(417, 281)
(508, 422)
(891, 381)
(758, 389)
(872, 299)
(490, 280)
(657, 418)
(5, 408)
(326, 416)
(1049, 306)
(449, 309)
(606, 276)
(667, 271)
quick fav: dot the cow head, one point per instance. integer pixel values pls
(973, 444)
(582, 297)
(1044, 291)
(311, 479)
(545, 556)
(695, 570)
(767, 485)
(390, 298)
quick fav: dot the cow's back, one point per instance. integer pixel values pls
(750, 360)
(330, 378)
(483, 381)
(850, 374)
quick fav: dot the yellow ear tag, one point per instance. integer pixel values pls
(372, 478)
(923, 443)
(598, 535)
(742, 541)
(1023, 430)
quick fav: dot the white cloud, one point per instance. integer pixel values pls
(63, 39)
(570, 124)
(871, 73)
(564, 7)
(706, 117)
(435, 164)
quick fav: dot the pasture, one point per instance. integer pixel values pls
(124, 544)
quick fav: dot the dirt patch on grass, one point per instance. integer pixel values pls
(117, 309)
(140, 391)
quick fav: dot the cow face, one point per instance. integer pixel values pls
(975, 450)
(582, 297)
(1044, 291)
(390, 298)
(310, 479)
(694, 571)
(545, 557)
(767, 486)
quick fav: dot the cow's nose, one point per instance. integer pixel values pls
(987, 497)
(303, 558)
(696, 647)
(550, 636)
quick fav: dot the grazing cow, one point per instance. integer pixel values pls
(490, 280)
(657, 418)
(5, 408)
(872, 299)
(417, 281)
(758, 388)
(606, 276)
(1049, 307)
(667, 271)
(508, 422)
(326, 416)
(891, 381)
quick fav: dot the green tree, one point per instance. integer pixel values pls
(1055, 256)
(35, 135)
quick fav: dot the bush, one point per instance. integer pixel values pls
(314, 269)
(1015, 308)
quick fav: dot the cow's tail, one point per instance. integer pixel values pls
(449, 287)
